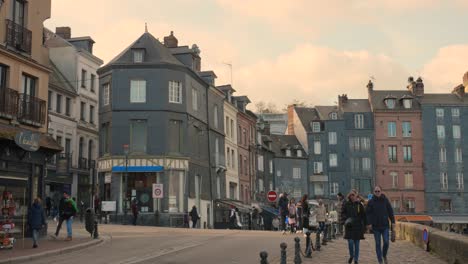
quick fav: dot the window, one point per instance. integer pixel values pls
(278, 173)
(391, 129)
(67, 106)
(232, 130)
(138, 135)
(217, 151)
(334, 188)
(366, 164)
(59, 140)
(246, 166)
(83, 78)
(3, 76)
(407, 154)
(91, 114)
(194, 99)
(233, 158)
(317, 147)
(271, 166)
(218, 187)
(318, 168)
(58, 108)
(394, 176)
(226, 127)
(49, 98)
(319, 188)
(332, 138)
(137, 56)
(297, 193)
(82, 111)
(299, 153)
(409, 205)
(446, 206)
(444, 181)
(175, 92)
(228, 158)
(215, 116)
(456, 132)
(440, 112)
(261, 187)
(93, 82)
(392, 153)
(106, 93)
(443, 154)
(288, 153)
(297, 173)
(137, 91)
(390, 103)
(395, 205)
(241, 169)
(355, 165)
(315, 126)
(333, 160)
(359, 121)
(458, 155)
(455, 112)
(440, 132)
(406, 126)
(365, 143)
(460, 184)
(408, 180)
(354, 144)
(80, 148)
(67, 145)
(260, 162)
(407, 103)
(334, 116)
(29, 85)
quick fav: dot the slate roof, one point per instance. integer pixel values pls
(58, 80)
(307, 115)
(324, 111)
(377, 100)
(281, 142)
(225, 88)
(155, 52)
(356, 106)
(444, 99)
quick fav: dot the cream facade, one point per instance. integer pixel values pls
(231, 153)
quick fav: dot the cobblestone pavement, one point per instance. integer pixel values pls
(337, 252)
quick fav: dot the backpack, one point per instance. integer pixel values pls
(68, 210)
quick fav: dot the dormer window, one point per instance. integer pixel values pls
(315, 126)
(390, 103)
(407, 103)
(288, 153)
(334, 116)
(138, 55)
(299, 153)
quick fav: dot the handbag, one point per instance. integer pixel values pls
(349, 222)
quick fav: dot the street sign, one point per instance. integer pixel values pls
(158, 191)
(28, 140)
(272, 196)
(109, 206)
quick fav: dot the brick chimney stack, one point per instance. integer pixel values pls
(63, 32)
(171, 41)
(416, 87)
(291, 119)
(342, 99)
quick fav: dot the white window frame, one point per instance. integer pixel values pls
(297, 173)
(406, 129)
(359, 121)
(458, 155)
(299, 153)
(175, 92)
(332, 138)
(390, 103)
(138, 56)
(106, 93)
(455, 112)
(137, 91)
(365, 143)
(260, 162)
(456, 129)
(394, 176)
(215, 116)
(443, 154)
(278, 173)
(391, 129)
(440, 112)
(443, 181)
(333, 158)
(460, 181)
(407, 103)
(319, 188)
(315, 127)
(334, 116)
(409, 180)
(194, 99)
(334, 188)
(407, 153)
(366, 164)
(318, 167)
(288, 153)
(270, 163)
(440, 131)
(317, 147)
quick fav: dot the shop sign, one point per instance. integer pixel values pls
(28, 140)
(108, 178)
(109, 206)
(157, 190)
(61, 165)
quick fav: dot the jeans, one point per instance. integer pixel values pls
(321, 227)
(59, 225)
(135, 216)
(353, 246)
(69, 226)
(283, 223)
(35, 236)
(384, 233)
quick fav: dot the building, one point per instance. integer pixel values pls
(264, 180)
(73, 104)
(278, 122)
(161, 122)
(445, 132)
(399, 145)
(25, 145)
(290, 166)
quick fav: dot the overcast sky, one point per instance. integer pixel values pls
(295, 49)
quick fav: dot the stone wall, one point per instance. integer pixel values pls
(449, 246)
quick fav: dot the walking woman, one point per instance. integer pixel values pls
(292, 215)
(36, 219)
(299, 213)
(354, 216)
(305, 213)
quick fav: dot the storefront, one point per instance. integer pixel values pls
(223, 210)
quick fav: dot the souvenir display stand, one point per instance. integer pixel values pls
(7, 224)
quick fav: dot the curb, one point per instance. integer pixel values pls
(53, 252)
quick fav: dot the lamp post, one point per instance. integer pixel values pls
(125, 147)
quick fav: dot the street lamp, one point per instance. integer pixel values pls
(125, 147)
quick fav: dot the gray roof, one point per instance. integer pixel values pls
(281, 142)
(356, 106)
(59, 81)
(242, 98)
(155, 52)
(325, 111)
(306, 115)
(225, 88)
(377, 100)
(444, 99)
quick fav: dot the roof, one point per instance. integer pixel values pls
(325, 111)
(57, 79)
(356, 106)
(280, 142)
(377, 100)
(207, 73)
(450, 219)
(80, 39)
(225, 87)
(155, 52)
(306, 115)
(242, 98)
(444, 99)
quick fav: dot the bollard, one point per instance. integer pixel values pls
(263, 257)
(95, 233)
(308, 250)
(325, 234)
(317, 240)
(283, 247)
(297, 251)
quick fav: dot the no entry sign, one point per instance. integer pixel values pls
(157, 190)
(272, 196)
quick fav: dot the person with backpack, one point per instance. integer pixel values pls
(67, 210)
(36, 220)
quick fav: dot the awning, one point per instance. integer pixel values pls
(137, 168)
(413, 218)
(238, 204)
(450, 219)
(45, 141)
(270, 210)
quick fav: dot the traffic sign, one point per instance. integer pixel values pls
(272, 196)
(157, 190)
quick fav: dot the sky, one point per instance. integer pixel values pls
(281, 51)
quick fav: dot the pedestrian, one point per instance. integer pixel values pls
(255, 218)
(275, 223)
(186, 220)
(339, 205)
(36, 220)
(194, 216)
(305, 213)
(135, 211)
(292, 215)
(48, 205)
(238, 219)
(283, 210)
(379, 213)
(353, 216)
(321, 215)
(299, 213)
(67, 210)
(60, 216)
(97, 205)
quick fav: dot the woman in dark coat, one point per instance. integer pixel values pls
(305, 213)
(354, 219)
(36, 220)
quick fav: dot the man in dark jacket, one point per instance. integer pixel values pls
(36, 220)
(379, 213)
(61, 209)
(283, 210)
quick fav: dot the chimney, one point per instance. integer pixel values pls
(63, 32)
(459, 91)
(171, 41)
(291, 119)
(370, 86)
(342, 99)
(416, 87)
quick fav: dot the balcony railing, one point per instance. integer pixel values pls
(83, 164)
(31, 109)
(18, 36)
(8, 102)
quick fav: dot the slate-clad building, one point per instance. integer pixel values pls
(264, 180)
(161, 121)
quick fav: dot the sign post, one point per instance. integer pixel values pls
(272, 196)
(158, 191)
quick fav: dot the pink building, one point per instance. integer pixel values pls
(399, 146)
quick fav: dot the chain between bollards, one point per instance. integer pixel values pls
(283, 247)
(297, 251)
(263, 257)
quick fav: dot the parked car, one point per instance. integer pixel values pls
(313, 204)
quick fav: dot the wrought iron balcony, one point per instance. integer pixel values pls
(32, 109)
(8, 102)
(18, 36)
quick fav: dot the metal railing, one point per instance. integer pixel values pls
(83, 163)
(18, 36)
(8, 102)
(32, 109)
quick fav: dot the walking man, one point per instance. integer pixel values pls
(36, 220)
(283, 210)
(379, 213)
(194, 216)
(135, 211)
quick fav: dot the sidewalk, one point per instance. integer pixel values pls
(23, 250)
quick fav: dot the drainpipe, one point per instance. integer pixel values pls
(209, 156)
